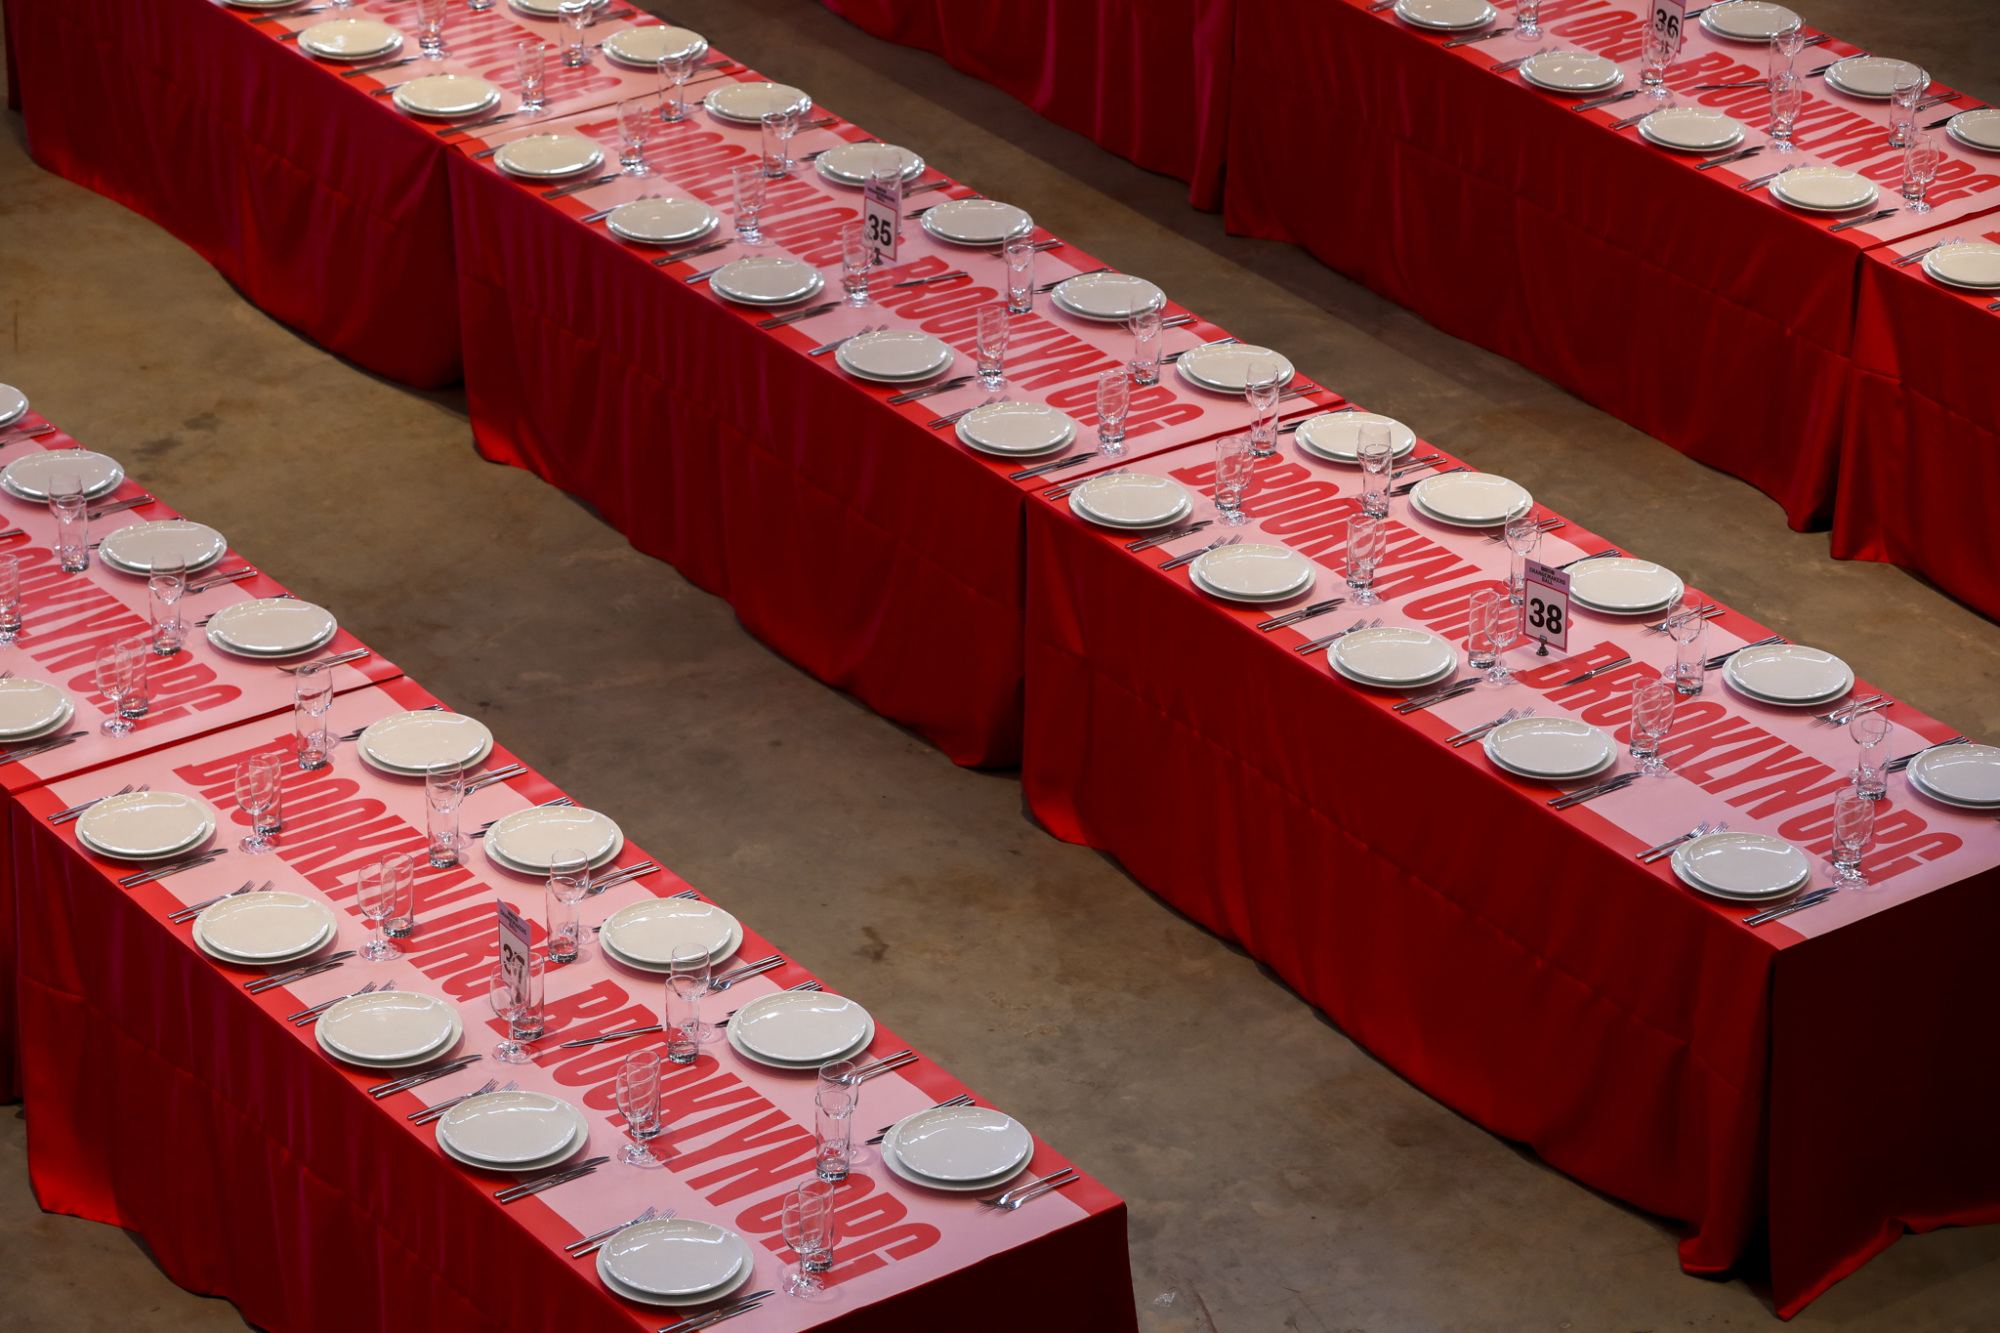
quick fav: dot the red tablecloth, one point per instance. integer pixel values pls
(1147, 79)
(1809, 1084)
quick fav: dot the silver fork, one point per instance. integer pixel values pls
(1034, 1189)
(1318, 644)
(838, 343)
(1701, 830)
(1852, 705)
(311, 1013)
(578, 1248)
(1192, 556)
(193, 910)
(64, 816)
(963, 1099)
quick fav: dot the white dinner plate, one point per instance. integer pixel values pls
(1824, 189)
(800, 1027)
(349, 39)
(1393, 656)
(852, 163)
(146, 825)
(265, 927)
(894, 356)
(647, 933)
(28, 478)
(1016, 428)
(746, 103)
(1748, 20)
(1109, 298)
(766, 280)
(1873, 77)
(527, 840)
(976, 221)
(1252, 573)
(1788, 673)
(1130, 500)
(135, 549)
(893, 1160)
(1974, 265)
(645, 48)
(14, 403)
(957, 1144)
(1223, 367)
(1571, 72)
(31, 707)
(730, 1286)
(1620, 585)
(446, 95)
(1743, 867)
(271, 627)
(661, 221)
(548, 9)
(1964, 775)
(305, 950)
(674, 1256)
(1471, 499)
(1446, 15)
(1691, 129)
(1553, 748)
(1336, 436)
(505, 1129)
(529, 1169)
(413, 744)
(548, 156)
(1978, 128)
(386, 1027)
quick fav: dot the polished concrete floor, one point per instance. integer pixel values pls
(1279, 1177)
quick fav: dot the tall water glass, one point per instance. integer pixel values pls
(1853, 835)
(779, 127)
(312, 715)
(687, 982)
(1479, 652)
(10, 599)
(1376, 451)
(1656, 54)
(675, 70)
(256, 793)
(164, 590)
(531, 72)
(402, 868)
(1652, 720)
(1523, 536)
(1871, 732)
(1787, 96)
(991, 347)
(1261, 387)
(568, 886)
(516, 998)
(1148, 336)
(1690, 635)
(430, 28)
(748, 181)
(637, 1093)
(806, 1218)
(857, 256)
(1365, 539)
(575, 18)
(376, 890)
(138, 655)
(1920, 167)
(114, 677)
(1020, 256)
(1234, 465)
(1785, 48)
(444, 790)
(1114, 398)
(1905, 91)
(1527, 20)
(71, 509)
(833, 1135)
(636, 118)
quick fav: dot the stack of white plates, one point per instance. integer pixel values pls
(512, 1131)
(1824, 189)
(964, 1149)
(14, 403)
(1873, 77)
(800, 1029)
(1446, 15)
(661, 221)
(976, 221)
(389, 1029)
(548, 156)
(675, 1261)
(894, 356)
(1253, 573)
(1337, 435)
(1225, 367)
(136, 549)
(1011, 429)
(853, 163)
(411, 745)
(1470, 499)
(645, 934)
(766, 280)
(146, 825)
(645, 48)
(1621, 586)
(1976, 129)
(1554, 749)
(747, 103)
(446, 95)
(28, 478)
(272, 627)
(1392, 657)
(31, 708)
(1789, 673)
(1571, 72)
(1962, 775)
(1109, 298)
(1748, 20)
(264, 929)
(526, 841)
(1743, 867)
(1974, 265)
(1691, 129)
(1131, 500)
(349, 39)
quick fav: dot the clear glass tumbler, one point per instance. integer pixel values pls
(833, 1133)
(1234, 466)
(857, 257)
(1261, 389)
(1787, 96)
(1148, 337)
(1853, 835)
(1871, 732)
(164, 590)
(1652, 720)
(1523, 536)
(991, 347)
(430, 28)
(1920, 168)
(71, 510)
(1479, 653)
(1376, 452)
(575, 18)
(444, 790)
(778, 129)
(748, 181)
(637, 1093)
(1366, 537)
(312, 715)
(568, 886)
(1020, 255)
(675, 70)
(138, 696)
(687, 981)
(531, 73)
(637, 118)
(1690, 635)
(1527, 20)
(10, 599)
(1114, 398)
(256, 793)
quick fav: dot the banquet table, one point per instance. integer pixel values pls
(312, 1205)
(1799, 1085)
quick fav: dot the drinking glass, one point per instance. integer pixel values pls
(1905, 91)
(1690, 635)
(164, 590)
(1920, 166)
(637, 1092)
(749, 182)
(71, 509)
(779, 127)
(675, 71)
(1527, 20)
(138, 655)
(1787, 96)
(575, 18)
(1503, 627)
(516, 998)
(886, 173)
(531, 72)
(1656, 55)
(834, 1103)
(479, 6)
(1479, 654)
(1853, 835)
(569, 885)
(1785, 47)
(1523, 536)
(256, 793)
(430, 28)
(1871, 732)
(375, 893)
(636, 118)
(114, 678)
(444, 789)
(806, 1218)
(991, 350)
(857, 256)
(312, 715)
(1148, 336)
(1234, 465)
(402, 866)
(1114, 398)
(1261, 387)
(1365, 540)
(1376, 451)
(10, 599)
(1020, 256)
(1652, 719)
(687, 982)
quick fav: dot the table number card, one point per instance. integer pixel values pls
(1668, 16)
(515, 949)
(1545, 605)
(881, 212)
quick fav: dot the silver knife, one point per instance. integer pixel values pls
(1813, 899)
(1727, 158)
(1596, 671)
(708, 249)
(1056, 466)
(450, 130)
(779, 321)
(1876, 216)
(381, 1090)
(1597, 102)
(1148, 543)
(580, 186)
(583, 1168)
(1482, 37)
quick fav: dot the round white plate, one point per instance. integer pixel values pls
(1824, 189)
(146, 825)
(1446, 15)
(1976, 129)
(852, 163)
(1745, 867)
(385, 1027)
(306, 950)
(1788, 673)
(893, 356)
(443, 1048)
(557, 1157)
(956, 1144)
(632, 1293)
(446, 95)
(1472, 499)
(1223, 367)
(894, 1162)
(1016, 428)
(1109, 298)
(547, 156)
(800, 1027)
(548, 9)
(1748, 20)
(661, 221)
(135, 549)
(14, 403)
(28, 478)
(1393, 656)
(271, 627)
(1253, 573)
(1571, 72)
(766, 280)
(527, 839)
(1690, 129)
(1130, 500)
(413, 744)
(1620, 585)
(1964, 775)
(349, 39)
(976, 221)
(1873, 77)
(1555, 748)
(265, 927)
(1974, 265)
(647, 933)
(851, 1053)
(1336, 436)
(645, 48)
(746, 103)
(30, 707)
(505, 1129)
(674, 1256)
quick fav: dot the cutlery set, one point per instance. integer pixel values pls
(810, 312)
(1193, 556)
(1708, 612)
(308, 1016)
(707, 248)
(430, 1113)
(578, 1248)
(1302, 614)
(1715, 663)
(1409, 486)
(193, 910)
(740, 1305)
(1854, 708)
(587, 1166)
(1034, 1189)
(1591, 793)
(1463, 685)
(1058, 465)
(158, 872)
(1701, 830)
(1595, 672)
(557, 803)
(838, 343)
(65, 816)
(946, 386)
(39, 748)
(625, 875)
(396, 1085)
(1901, 762)
(1800, 904)
(1318, 644)
(1865, 219)
(1478, 733)
(273, 982)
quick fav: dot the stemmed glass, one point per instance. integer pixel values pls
(256, 793)
(1905, 91)
(806, 1218)
(779, 127)
(115, 675)
(1261, 387)
(1652, 719)
(378, 893)
(1365, 540)
(71, 509)
(531, 71)
(1523, 535)
(637, 1092)
(1234, 464)
(857, 256)
(312, 714)
(138, 655)
(1376, 452)
(10, 600)
(569, 885)
(748, 180)
(1787, 96)
(516, 1000)
(430, 28)
(1114, 398)
(444, 790)
(636, 118)
(687, 981)
(1871, 732)
(1656, 55)
(400, 867)
(1503, 629)
(991, 347)
(676, 69)
(834, 1104)
(1148, 337)
(1690, 636)
(1920, 167)
(1853, 835)
(1019, 253)
(164, 589)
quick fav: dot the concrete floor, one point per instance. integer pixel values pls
(1279, 1177)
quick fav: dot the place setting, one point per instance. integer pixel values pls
(799, 1030)
(976, 222)
(644, 935)
(661, 220)
(748, 103)
(766, 280)
(1787, 675)
(1966, 776)
(349, 40)
(1254, 573)
(1870, 77)
(1978, 128)
(13, 405)
(1550, 749)
(958, 1149)
(140, 548)
(1972, 266)
(1747, 20)
(1446, 15)
(418, 743)
(548, 157)
(1106, 298)
(1392, 657)
(27, 478)
(1571, 72)
(1015, 430)
(1823, 189)
(271, 628)
(1620, 585)
(1131, 501)
(1227, 367)
(1691, 129)
(1741, 867)
(644, 47)
(146, 825)
(388, 1029)
(894, 356)
(264, 928)
(516, 1131)
(1470, 499)
(675, 1261)
(853, 164)
(1336, 436)
(32, 709)
(444, 96)
(527, 842)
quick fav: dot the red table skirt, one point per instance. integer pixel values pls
(1826, 1094)
(330, 212)
(1147, 79)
